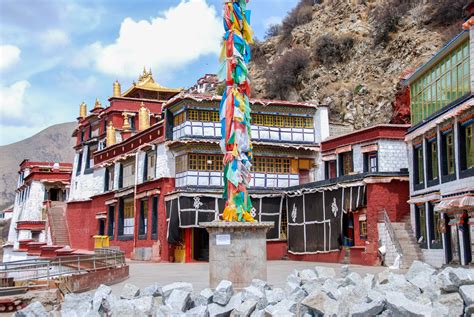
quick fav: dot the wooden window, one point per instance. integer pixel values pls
(128, 173)
(193, 115)
(193, 165)
(259, 165)
(181, 164)
(288, 122)
(257, 119)
(269, 122)
(215, 116)
(143, 220)
(205, 116)
(270, 165)
(128, 217)
(330, 169)
(345, 163)
(308, 122)
(432, 166)
(285, 166)
(466, 145)
(418, 165)
(299, 122)
(420, 221)
(363, 229)
(372, 160)
(447, 144)
(279, 121)
(149, 166)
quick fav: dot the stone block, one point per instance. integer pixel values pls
(262, 285)
(167, 289)
(297, 295)
(321, 304)
(420, 274)
(224, 311)
(326, 272)
(125, 308)
(467, 293)
(245, 309)
(453, 302)
(102, 292)
(154, 290)
(76, 304)
(368, 309)
(284, 305)
(179, 300)
(35, 309)
(129, 291)
(274, 296)
(144, 304)
(198, 311)
(403, 306)
(204, 297)
(308, 275)
(255, 293)
(223, 292)
(345, 271)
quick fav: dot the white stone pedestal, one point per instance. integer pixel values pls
(237, 252)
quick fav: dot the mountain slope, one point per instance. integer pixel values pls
(52, 144)
(354, 53)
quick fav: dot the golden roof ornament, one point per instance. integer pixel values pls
(143, 118)
(126, 123)
(98, 104)
(110, 138)
(83, 110)
(117, 92)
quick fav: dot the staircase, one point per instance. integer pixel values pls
(57, 223)
(403, 239)
(405, 236)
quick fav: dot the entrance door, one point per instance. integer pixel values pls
(454, 243)
(201, 244)
(348, 229)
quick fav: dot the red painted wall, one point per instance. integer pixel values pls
(277, 250)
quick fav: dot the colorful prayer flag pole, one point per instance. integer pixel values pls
(235, 111)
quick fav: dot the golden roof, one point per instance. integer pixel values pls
(146, 82)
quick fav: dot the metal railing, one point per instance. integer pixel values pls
(391, 233)
(49, 268)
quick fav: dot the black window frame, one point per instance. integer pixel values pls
(429, 164)
(327, 169)
(444, 159)
(145, 167)
(366, 157)
(341, 162)
(120, 176)
(142, 227)
(438, 244)
(79, 163)
(424, 243)
(154, 218)
(111, 221)
(462, 155)
(106, 179)
(417, 183)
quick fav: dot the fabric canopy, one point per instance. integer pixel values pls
(464, 202)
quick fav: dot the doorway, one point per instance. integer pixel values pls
(348, 229)
(200, 244)
(101, 227)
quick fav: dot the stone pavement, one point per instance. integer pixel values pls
(143, 274)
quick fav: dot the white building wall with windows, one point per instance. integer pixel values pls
(83, 186)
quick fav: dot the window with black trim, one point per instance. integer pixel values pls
(330, 169)
(154, 217)
(149, 166)
(79, 163)
(432, 160)
(447, 154)
(143, 220)
(466, 147)
(109, 179)
(345, 163)
(363, 227)
(418, 175)
(111, 221)
(126, 219)
(371, 162)
(435, 232)
(420, 221)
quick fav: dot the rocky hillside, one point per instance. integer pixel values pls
(52, 144)
(351, 55)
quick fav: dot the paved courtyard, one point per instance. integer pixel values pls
(143, 274)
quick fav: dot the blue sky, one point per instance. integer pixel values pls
(56, 53)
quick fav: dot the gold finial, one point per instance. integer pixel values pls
(83, 110)
(117, 90)
(110, 138)
(143, 118)
(98, 104)
(126, 124)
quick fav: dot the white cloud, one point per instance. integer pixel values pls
(85, 57)
(12, 99)
(182, 34)
(53, 39)
(9, 56)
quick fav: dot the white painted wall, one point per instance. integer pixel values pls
(392, 155)
(165, 162)
(321, 124)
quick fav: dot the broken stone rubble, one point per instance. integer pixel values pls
(447, 292)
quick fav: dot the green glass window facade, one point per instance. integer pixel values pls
(442, 84)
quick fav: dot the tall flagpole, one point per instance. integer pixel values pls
(235, 111)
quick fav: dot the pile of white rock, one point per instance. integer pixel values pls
(422, 291)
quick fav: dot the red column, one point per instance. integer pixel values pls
(187, 242)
